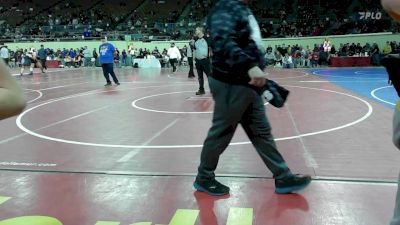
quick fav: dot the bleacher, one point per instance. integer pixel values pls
(176, 18)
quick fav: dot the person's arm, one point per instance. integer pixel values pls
(225, 42)
(225, 39)
(12, 100)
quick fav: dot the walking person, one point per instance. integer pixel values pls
(107, 51)
(42, 55)
(202, 59)
(237, 74)
(174, 56)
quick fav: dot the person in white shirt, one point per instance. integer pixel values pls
(327, 45)
(174, 56)
(132, 54)
(5, 54)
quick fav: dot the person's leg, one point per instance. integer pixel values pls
(191, 72)
(258, 129)
(106, 73)
(396, 216)
(111, 71)
(396, 140)
(229, 107)
(44, 64)
(31, 68)
(200, 75)
(207, 68)
(391, 65)
(173, 64)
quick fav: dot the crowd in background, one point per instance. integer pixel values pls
(286, 56)
(277, 19)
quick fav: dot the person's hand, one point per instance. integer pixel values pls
(12, 99)
(257, 77)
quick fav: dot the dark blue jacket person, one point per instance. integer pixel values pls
(237, 66)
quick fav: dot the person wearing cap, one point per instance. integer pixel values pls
(107, 51)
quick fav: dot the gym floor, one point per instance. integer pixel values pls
(83, 154)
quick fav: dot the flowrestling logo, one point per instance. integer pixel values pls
(370, 15)
(236, 216)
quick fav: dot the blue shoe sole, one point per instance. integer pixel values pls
(289, 190)
(201, 189)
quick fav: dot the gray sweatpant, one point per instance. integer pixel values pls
(396, 141)
(236, 104)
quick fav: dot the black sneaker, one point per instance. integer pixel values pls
(107, 85)
(211, 187)
(200, 92)
(117, 83)
(292, 183)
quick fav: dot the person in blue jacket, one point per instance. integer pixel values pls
(107, 51)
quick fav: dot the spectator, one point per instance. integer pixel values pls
(42, 55)
(124, 58)
(375, 55)
(287, 61)
(87, 56)
(5, 54)
(95, 56)
(387, 49)
(270, 57)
